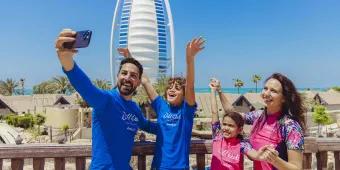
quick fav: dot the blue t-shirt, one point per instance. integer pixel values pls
(115, 122)
(173, 135)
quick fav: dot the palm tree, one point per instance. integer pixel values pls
(142, 98)
(238, 83)
(161, 85)
(256, 78)
(8, 87)
(102, 84)
(46, 87)
(62, 85)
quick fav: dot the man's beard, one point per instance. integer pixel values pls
(126, 88)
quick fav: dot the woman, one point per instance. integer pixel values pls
(280, 124)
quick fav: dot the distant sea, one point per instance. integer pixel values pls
(226, 90)
(251, 90)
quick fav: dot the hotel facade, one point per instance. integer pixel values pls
(146, 28)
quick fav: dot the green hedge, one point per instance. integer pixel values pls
(26, 121)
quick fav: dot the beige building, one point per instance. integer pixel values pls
(330, 99)
(36, 103)
(59, 109)
(60, 115)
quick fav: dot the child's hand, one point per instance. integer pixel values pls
(145, 79)
(193, 47)
(124, 52)
(215, 84)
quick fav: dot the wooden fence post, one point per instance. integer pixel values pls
(59, 163)
(200, 161)
(38, 163)
(17, 164)
(141, 162)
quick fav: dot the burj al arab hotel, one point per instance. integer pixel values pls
(146, 28)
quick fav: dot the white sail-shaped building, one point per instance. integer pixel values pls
(146, 28)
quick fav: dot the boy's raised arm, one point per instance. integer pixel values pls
(193, 47)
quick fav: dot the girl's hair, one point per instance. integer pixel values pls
(293, 104)
(237, 117)
(180, 80)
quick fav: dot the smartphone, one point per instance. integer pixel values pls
(82, 40)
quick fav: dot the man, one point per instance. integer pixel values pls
(116, 118)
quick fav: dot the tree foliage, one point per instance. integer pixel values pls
(320, 116)
(102, 84)
(336, 88)
(24, 121)
(39, 120)
(256, 78)
(65, 128)
(57, 85)
(238, 84)
(8, 87)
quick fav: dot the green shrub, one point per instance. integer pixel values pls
(26, 121)
(65, 128)
(11, 119)
(336, 88)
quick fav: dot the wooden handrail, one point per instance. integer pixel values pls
(44, 151)
(59, 152)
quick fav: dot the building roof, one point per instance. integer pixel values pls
(19, 104)
(3, 105)
(204, 102)
(309, 95)
(330, 97)
(26, 103)
(255, 100)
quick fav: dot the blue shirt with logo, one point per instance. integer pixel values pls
(115, 122)
(174, 134)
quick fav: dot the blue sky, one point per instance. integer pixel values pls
(298, 38)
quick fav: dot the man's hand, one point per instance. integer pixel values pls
(65, 55)
(124, 52)
(66, 35)
(193, 47)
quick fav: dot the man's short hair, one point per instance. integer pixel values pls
(134, 62)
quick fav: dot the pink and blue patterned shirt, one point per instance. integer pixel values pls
(282, 132)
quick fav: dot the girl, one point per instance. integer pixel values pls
(280, 124)
(228, 143)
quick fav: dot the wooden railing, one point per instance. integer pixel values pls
(17, 153)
